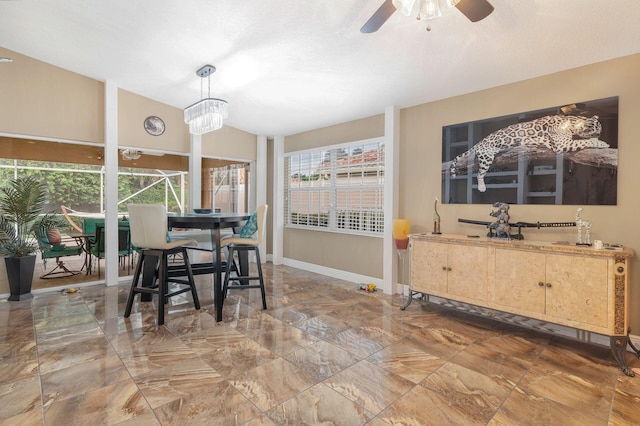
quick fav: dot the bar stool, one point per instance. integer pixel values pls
(245, 241)
(148, 223)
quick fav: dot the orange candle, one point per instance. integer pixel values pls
(401, 233)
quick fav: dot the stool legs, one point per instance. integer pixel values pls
(264, 293)
(162, 286)
(231, 266)
(192, 284)
(134, 283)
(162, 289)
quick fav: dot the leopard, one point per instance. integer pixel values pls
(558, 133)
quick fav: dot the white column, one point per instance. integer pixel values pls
(261, 181)
(111, 182)
(195, 173)
(391, 196)
(278, 200)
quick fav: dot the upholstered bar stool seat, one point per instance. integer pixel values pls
(249, 239)
(148, 223)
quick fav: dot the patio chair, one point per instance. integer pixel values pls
(56, 251)
(124, 244)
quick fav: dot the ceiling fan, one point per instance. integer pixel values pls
(134, 154)
(474, 10)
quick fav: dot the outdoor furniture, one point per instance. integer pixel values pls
(56, 251)
(83, 240)
(65, 212)
(89, 226)
(149, 233)
(245, 241)
(97, 248)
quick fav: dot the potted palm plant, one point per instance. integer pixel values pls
(21, 202)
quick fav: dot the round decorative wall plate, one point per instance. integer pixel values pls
(154, 125)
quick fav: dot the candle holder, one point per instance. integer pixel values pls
(401, 240)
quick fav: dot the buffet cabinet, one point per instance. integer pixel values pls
(573, 286)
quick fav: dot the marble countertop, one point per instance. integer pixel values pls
(546, 246)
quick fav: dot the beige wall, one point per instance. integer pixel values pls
(421, 156)
(230, 143)
(133, 109)
(39, 99)
(356, 254)
(366, 128)
(227, 143)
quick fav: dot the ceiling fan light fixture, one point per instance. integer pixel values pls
(131, 154)
(473, 10)
(405, 6)
(207, 114)
(429, 9)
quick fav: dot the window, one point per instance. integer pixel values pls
(228, 188)
(76, 177)
(339, 188)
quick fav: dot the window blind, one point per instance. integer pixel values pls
(337, 188)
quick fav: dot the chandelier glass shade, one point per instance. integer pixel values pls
(207, 114)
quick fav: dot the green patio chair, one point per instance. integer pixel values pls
(56, 251)
(125, 248)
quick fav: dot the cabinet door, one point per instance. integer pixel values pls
(519, 275)
(577, 289)
(427, 262)
(467, 273)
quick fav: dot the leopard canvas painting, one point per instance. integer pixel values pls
(560, 155)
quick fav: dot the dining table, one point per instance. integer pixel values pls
(83, 239)
(214, 222)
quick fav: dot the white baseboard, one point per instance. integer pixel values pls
(330, 272)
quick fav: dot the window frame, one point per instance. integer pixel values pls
(333, 187)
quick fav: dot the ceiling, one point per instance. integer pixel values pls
(287, 66)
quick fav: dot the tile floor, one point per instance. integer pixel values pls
(323, 353)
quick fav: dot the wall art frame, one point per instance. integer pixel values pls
(558, 155)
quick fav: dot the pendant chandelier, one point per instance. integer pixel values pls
(209, 113)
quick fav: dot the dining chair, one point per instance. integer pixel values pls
(249, 239)
(149, 224)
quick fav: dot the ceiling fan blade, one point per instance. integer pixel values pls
(379, 17)
(475, 10)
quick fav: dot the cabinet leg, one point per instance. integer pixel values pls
(409, 300)
(411, 294)
(618, 349)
